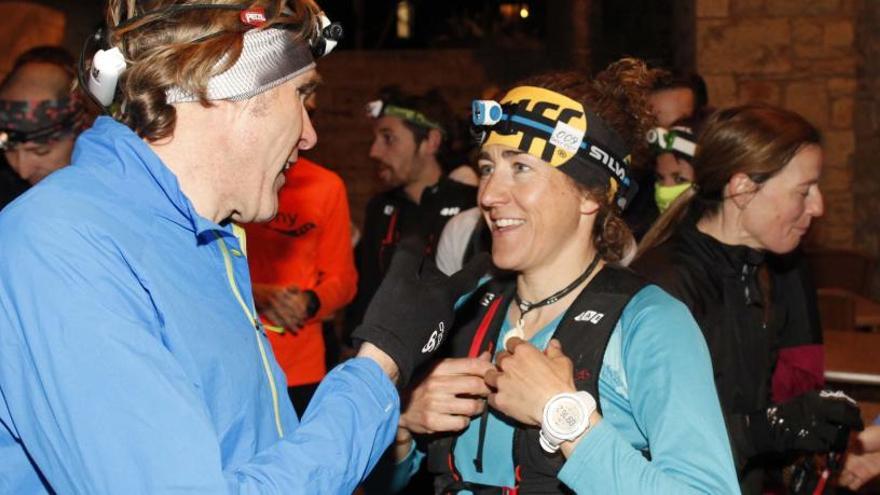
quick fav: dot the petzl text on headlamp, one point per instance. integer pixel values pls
(678, 140)
(378, 108)
(558, 130)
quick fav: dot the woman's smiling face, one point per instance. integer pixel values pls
(533, 210)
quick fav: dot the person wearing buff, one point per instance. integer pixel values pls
(411, 148)
(674, 150)
(603, 383)
(40, 116)
(131, 358)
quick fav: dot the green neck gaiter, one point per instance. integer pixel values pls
(665, 195)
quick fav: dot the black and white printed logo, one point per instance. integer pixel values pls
(388, 210)
(435, 339)
(450, 212)
(589, 316)
(488, 298)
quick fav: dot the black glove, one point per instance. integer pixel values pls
(812, 422)
(412, 312)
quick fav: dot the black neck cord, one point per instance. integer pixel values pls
(525, 306)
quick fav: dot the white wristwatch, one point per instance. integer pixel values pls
(566, 417)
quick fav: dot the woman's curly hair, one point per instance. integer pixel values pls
(619, 96)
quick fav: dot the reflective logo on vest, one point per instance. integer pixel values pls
(488, 298)
(589, 316)
(450, 212)
(435, 339)
(389, 209)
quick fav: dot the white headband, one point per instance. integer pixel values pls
(269, 58)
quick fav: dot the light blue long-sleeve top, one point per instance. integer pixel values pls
(657, 393)
(127, 364)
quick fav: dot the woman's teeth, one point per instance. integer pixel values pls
(508, 222)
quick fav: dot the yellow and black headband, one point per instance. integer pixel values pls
(557, 129)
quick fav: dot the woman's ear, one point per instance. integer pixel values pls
(589, 206)
(740, 189)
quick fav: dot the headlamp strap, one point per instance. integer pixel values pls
(378, 108)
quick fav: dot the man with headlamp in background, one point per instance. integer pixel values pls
(39, 118)
(411, 149)
(131, 358)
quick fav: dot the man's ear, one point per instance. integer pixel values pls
(431, 144)
(740, 189)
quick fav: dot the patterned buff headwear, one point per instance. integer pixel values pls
(40, 120)
(558, 130)
(269, 58)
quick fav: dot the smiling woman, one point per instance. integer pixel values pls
(594, 372)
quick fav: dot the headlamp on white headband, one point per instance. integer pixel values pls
(671, 141)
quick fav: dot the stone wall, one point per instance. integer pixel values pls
(801, 55)
(866, 163)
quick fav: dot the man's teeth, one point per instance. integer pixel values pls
(508, 222)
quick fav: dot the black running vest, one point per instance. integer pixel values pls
(583, 332)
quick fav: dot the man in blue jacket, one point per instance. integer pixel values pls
(131, 359)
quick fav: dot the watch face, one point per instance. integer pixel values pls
(566, 415)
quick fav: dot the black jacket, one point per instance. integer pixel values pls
(748, 306)
(11, 185)
(391, 216)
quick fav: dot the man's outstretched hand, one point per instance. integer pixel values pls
(412, 313)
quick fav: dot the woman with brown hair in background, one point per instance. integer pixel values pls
(756, 193)
(634, 409)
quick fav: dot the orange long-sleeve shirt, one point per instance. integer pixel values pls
(307, 245)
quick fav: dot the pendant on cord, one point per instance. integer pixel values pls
(524, 306)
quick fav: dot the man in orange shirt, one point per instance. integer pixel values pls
(302, 270)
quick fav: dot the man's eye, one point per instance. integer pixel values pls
(42, 151)
(484, 169)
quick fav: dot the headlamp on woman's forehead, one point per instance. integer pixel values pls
(377, 108)
(677, 140)
(557, 130)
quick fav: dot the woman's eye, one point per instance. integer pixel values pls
(521, 167)
(680, 180)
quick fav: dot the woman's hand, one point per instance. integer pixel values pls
(527, 378)
(449, 397)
